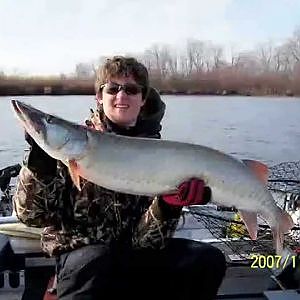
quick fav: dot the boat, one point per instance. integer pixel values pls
(27, 273)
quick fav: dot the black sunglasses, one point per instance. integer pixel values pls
(129, 88)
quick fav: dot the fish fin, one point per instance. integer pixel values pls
(260, 170)
(250, 220)
(73, 170)
(285, 223)
(278, 239)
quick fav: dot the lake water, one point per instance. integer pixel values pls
(263, 128)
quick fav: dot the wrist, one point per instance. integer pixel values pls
(168, 209)
(206, 195)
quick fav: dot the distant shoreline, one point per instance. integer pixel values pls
(63, 87)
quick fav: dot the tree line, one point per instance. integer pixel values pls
(202, 67)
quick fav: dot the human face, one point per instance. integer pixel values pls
(122, 107)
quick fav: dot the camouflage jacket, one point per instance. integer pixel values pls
(73, 218)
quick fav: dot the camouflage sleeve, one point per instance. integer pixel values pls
(35, 199)
(157, 225)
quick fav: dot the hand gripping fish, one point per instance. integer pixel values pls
(151, 167)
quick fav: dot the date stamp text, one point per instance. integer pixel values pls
(272, 261)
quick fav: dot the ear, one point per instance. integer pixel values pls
(99, 98)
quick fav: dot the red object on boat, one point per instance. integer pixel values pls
(50, 295)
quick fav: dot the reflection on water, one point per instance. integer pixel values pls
(246, 127)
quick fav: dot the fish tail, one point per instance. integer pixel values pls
(283, 225)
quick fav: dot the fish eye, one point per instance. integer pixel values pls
(49, 119)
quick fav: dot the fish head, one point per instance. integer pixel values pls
(61, 139)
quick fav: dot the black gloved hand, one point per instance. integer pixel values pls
(6, 174)
(38, 161)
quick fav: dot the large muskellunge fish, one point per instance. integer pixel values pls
(152, 167)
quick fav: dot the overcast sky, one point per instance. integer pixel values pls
(52, 36)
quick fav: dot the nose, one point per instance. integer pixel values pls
(121, 94)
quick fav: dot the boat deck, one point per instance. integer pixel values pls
(241, 281)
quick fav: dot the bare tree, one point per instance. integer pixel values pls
(162, 59)
(183, 65)
(234, 57)
(278, 59)
(172, 61)
(155, 53)
(218, 56)
(147, 59)
(295, 45)
(84, 70)
(290, 53)
(265, 55)
(195, 55)
(247, 61)
(286, 58)
(95, 64)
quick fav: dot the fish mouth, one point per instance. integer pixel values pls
(16, 108)
(31, 118)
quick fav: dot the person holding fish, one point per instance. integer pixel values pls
(108, 243)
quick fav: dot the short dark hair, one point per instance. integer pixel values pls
(123, 66)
